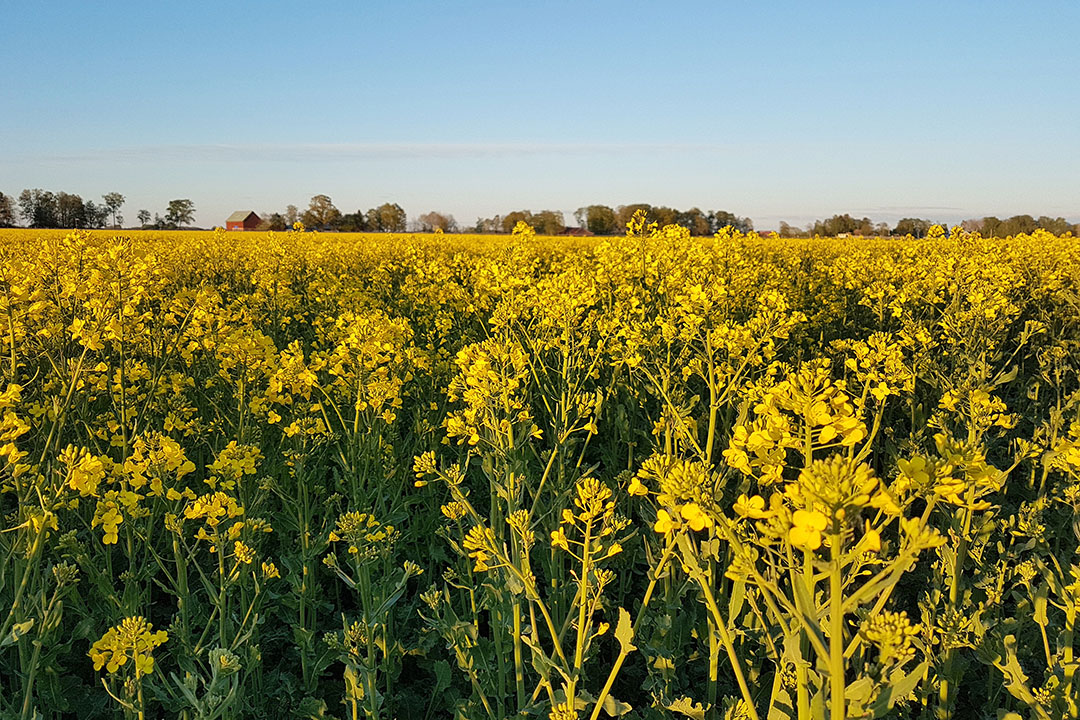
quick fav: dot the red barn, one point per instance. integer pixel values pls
(243, 220)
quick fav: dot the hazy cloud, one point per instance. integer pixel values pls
(903, 209)
(307, 152)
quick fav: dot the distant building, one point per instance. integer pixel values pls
(576, 232)
(243, 220)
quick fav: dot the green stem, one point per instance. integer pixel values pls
(366, 602)
(583, 616)
(519, 663)
(623, 652)
(31, 558)
(836, 626)
(725, 639)
(947, 694)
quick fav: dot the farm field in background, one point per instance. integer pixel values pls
(434, 476)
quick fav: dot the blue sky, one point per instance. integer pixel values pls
(776, 111)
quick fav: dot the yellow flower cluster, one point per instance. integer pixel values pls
(111, 509)
(232, 464)
(368, 365)
(154, 458)
(805, 412)
(132, 639)
(85, 471)
(490, 383)
(366, 536)
(892, 634)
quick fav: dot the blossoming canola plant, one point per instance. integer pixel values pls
(648, 476)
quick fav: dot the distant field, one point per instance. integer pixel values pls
(367, 475)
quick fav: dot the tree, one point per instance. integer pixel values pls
(790, 231)
(276, 222)
(663, 216)
(353, 222)
(113, 202)
(7, 210)
(1058, 225)
(94, 215)
(292, 214)
(388, 217)
(38, 208)
(144, 217)
(581, 216)
(597, 219)
(180, 213)
(695, 221)
(432, 221)
(843, 225)
(510, 220)
(915, 227)
(719, 219)
(548, 222)
(70, 212)
(488, 226)
(1018, 224)
(600, 220)
(321, 213)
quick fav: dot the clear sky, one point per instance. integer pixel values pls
(773, 110)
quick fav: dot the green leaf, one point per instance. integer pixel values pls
(615, 708)
(1008, 377)
(817, 704)
(781, 707)
(1040, 605)
(899, 686)
(582, 699)
(391, 600)
(513, 583)
(303, 637)
(859, 691)
(185, 690)
(312, 708)
(17, 631)
(1015, 678)
(689, 708)
(541, 663)
(442, 675)
(624, 633)
(689, 556)
(738, 597)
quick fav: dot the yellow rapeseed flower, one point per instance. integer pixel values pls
(695, 517)
(752, 507)
(806, 529)
(665, 523)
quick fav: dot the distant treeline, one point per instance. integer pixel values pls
(605, 220)
(46, 209)
(597, 219)
(990, 226)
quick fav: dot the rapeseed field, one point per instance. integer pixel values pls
(402, 476)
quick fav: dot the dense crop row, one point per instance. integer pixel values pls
(401, 476)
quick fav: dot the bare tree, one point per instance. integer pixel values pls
(113, 202)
